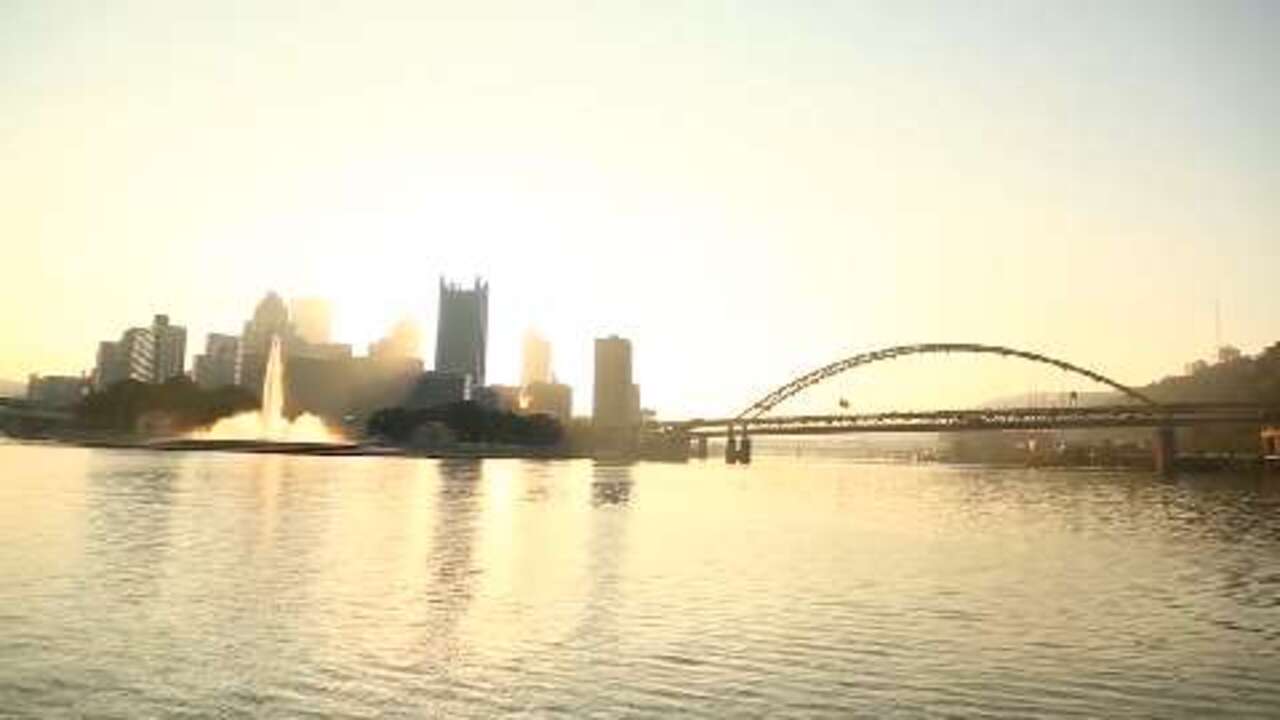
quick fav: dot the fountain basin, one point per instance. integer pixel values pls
(267, 446)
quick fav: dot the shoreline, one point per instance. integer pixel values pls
(480, 451)
(322, 449)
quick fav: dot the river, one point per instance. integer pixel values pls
(145, 584)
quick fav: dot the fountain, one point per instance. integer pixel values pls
(269, 423)
(272, 412)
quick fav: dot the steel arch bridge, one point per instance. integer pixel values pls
(792, 388)
(1143, 412)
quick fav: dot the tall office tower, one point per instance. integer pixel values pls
(109, 369)
(537, 360)
(616, 405)
(128, 358)
(137, 354)
(462, 330)
(404, 341)
(217, 366)
(170, 343)
(146, 354)
(312, 319)
(270, 319)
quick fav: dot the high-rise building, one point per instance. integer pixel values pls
(109, 368)
(312, 319)
(536, 367)
(170, 349)
(270, 319)
(146, 354)
(129, 358)
(404, 341)
(616, 405)
(217, 366)
(462, 330)
(138, 354)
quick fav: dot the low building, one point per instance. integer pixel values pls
(56, 391)
(504, 398)
(548, 398)
(436, 388)
(341, 386)
(321, 351)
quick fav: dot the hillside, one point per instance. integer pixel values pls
(1252, 379)
(11, 388)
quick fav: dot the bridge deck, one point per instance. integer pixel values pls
(1060, 418)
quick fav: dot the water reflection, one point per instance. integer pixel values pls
(130, 509)
(598, 630)
(610, 484)
(452, 571)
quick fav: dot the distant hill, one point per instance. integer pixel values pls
(9, 388)
(1247, 379)
(1244, 378)
(1251, 379)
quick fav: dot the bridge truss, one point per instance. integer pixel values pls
(790, 389)
(1020, 418)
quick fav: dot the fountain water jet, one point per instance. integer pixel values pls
(273, 421)
(269, 422)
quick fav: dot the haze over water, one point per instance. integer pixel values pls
(142, 584)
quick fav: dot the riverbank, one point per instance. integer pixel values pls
(457, 450)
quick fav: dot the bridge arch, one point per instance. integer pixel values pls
(783, 392)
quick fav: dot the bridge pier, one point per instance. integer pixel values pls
(1164, 449)
(737, 449)
(700, 447)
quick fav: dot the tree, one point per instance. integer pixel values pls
(468, 422)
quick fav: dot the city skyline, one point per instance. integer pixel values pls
(781, 167)
(302, 324)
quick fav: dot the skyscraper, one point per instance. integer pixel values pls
(170, 343)
(536, 367)
(404, 341)
(312, 319)
(462, 330)
(270, 319)
(130, 358)
(616, 405)
(109, 368)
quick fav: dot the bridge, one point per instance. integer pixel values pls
(1141, 411)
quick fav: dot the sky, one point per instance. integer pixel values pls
(746, 190)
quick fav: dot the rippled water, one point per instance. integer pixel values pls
(140, 584)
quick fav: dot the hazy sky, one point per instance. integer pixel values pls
(747, 190)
